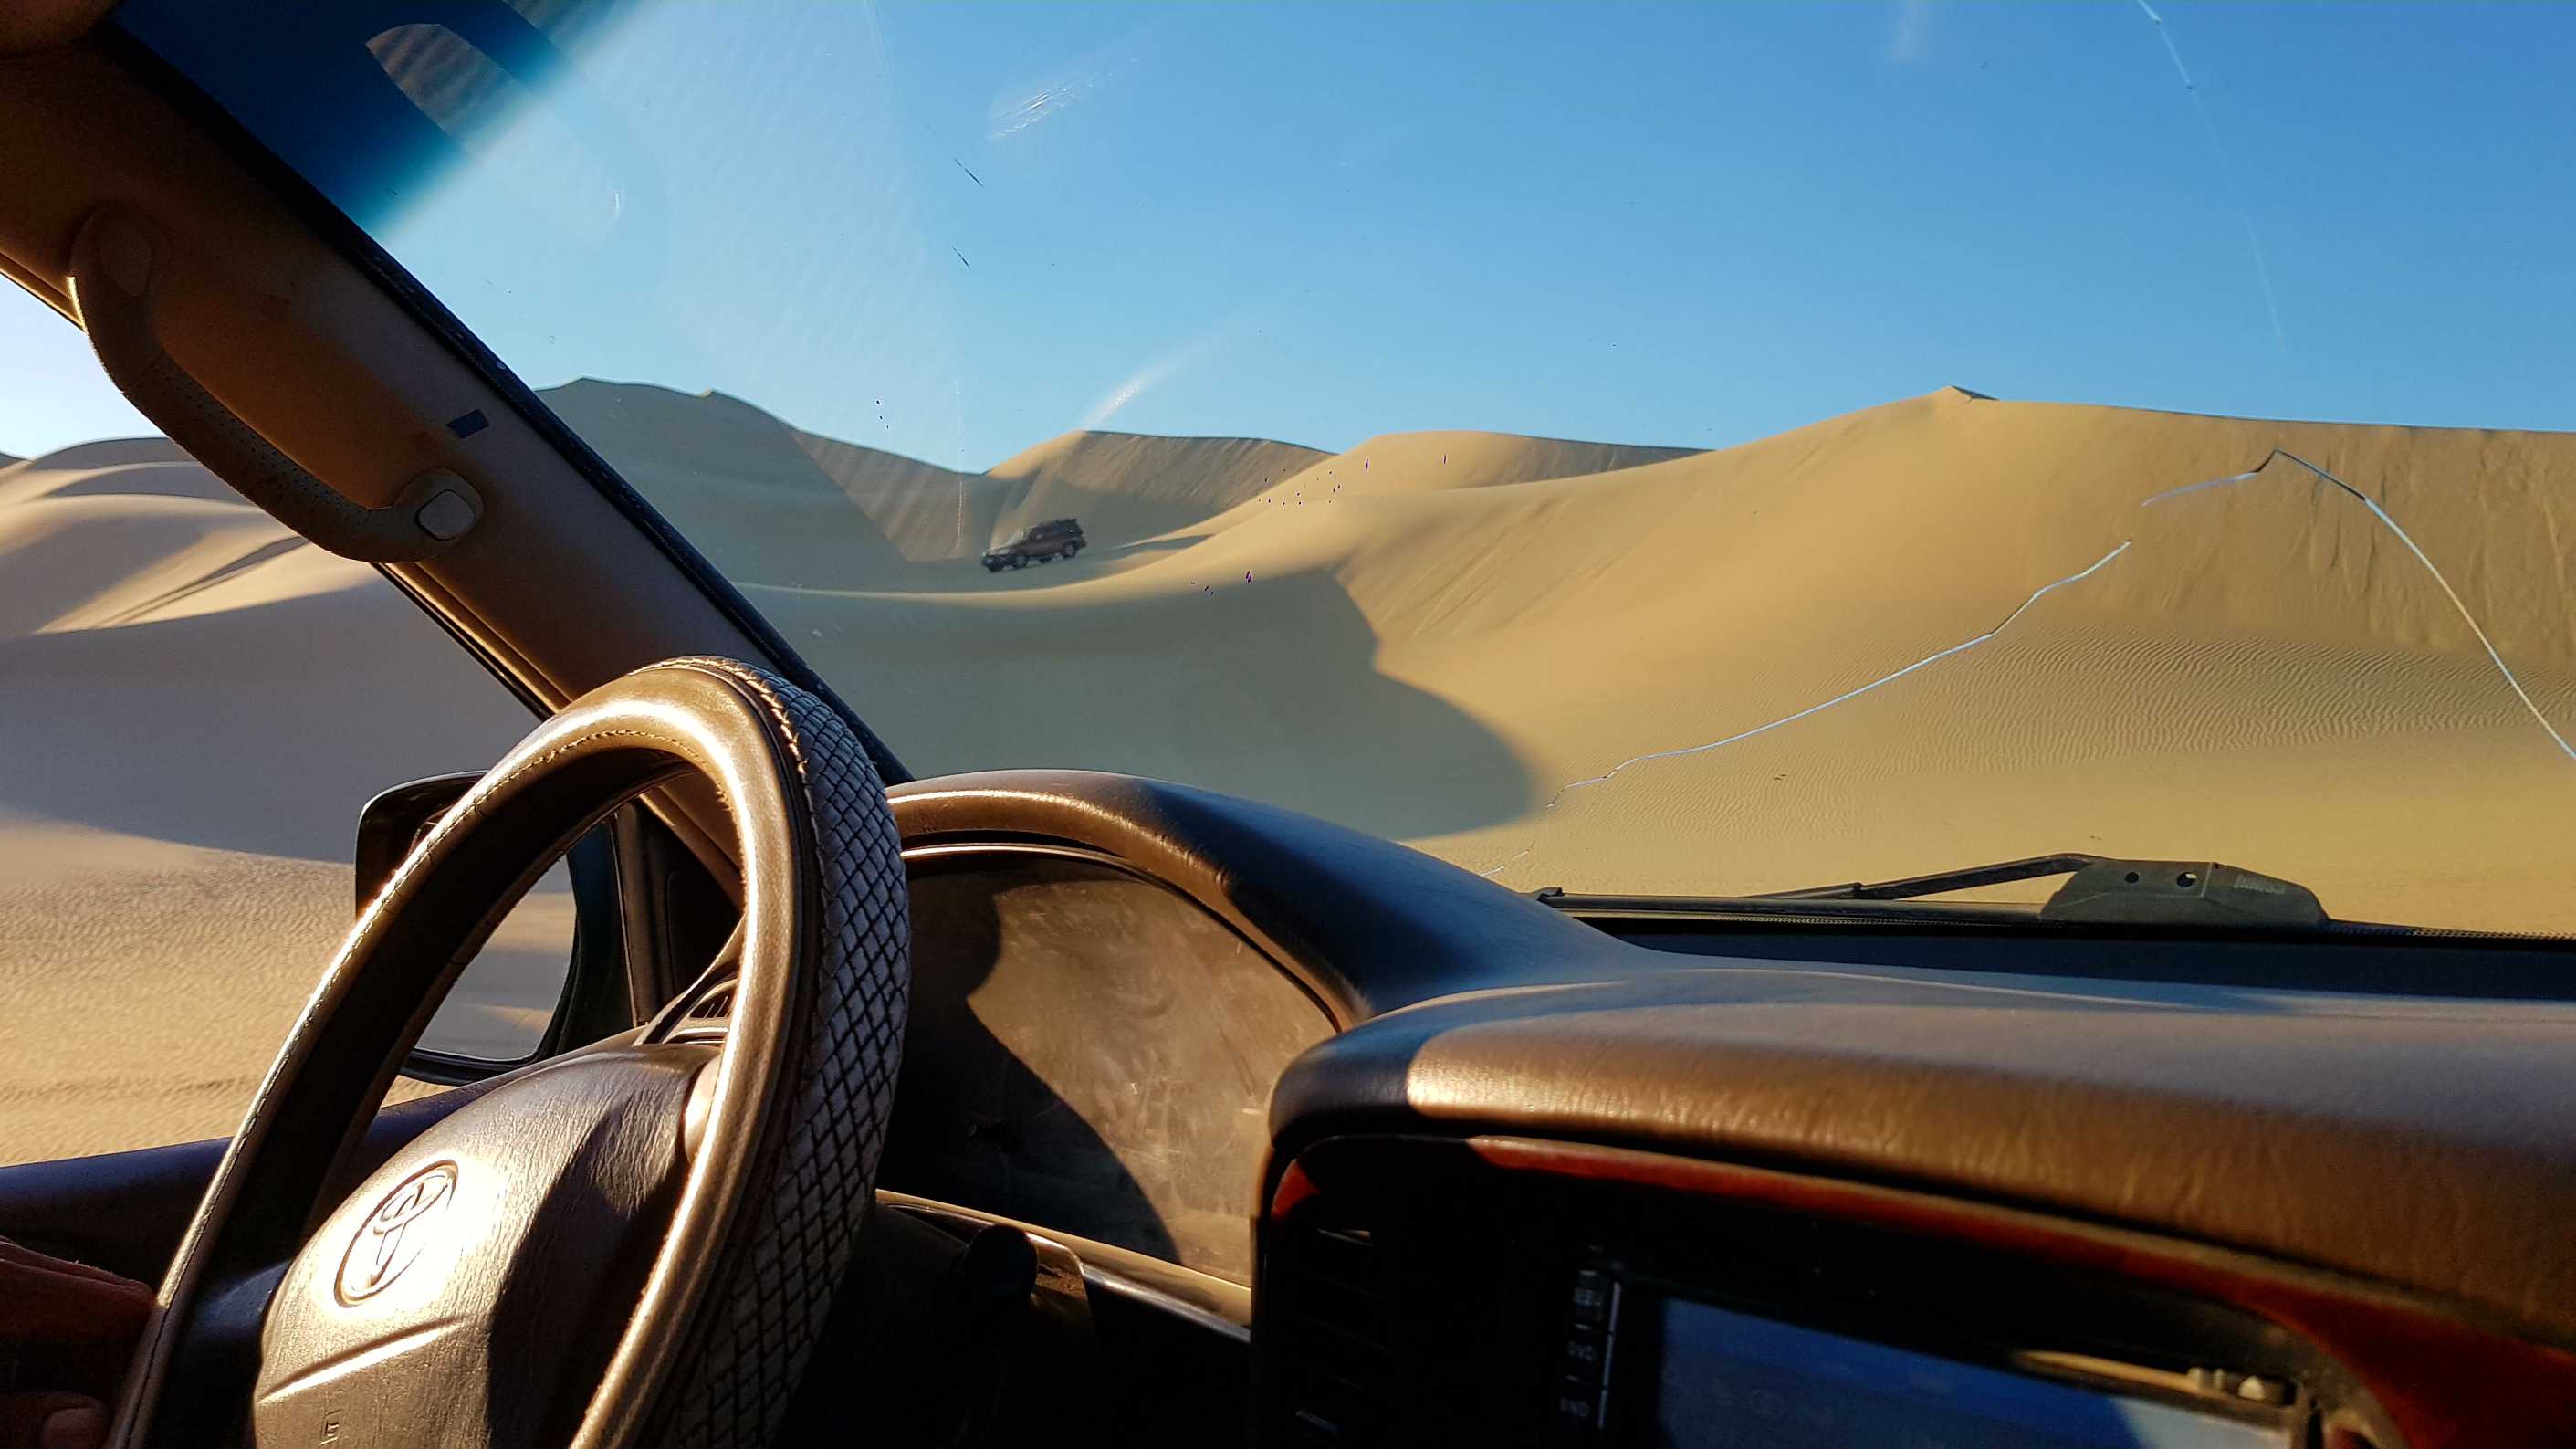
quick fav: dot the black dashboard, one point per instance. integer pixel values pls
(1089, 1050)
(1501, 1176)
(1635, 1311)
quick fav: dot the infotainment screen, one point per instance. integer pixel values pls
(1729, 1381)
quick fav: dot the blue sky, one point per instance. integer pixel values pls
(51, 391)
(1671, 224)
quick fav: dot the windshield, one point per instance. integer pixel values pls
(1664, 450)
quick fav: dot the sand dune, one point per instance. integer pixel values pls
(1789, 662)
(1945, 630)
(1139, 487)
(851, 512)
(193, 706)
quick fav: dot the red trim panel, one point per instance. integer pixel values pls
(1294, 1188)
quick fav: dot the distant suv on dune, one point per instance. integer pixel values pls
(1056, 538)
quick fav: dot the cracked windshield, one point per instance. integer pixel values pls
(1673, 450)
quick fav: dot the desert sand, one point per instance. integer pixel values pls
(193, 706)
(1937, 632)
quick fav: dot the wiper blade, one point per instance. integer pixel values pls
(2034, 867)
(2100, 890)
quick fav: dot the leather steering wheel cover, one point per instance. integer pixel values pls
(814, 1118)
(784, 1176)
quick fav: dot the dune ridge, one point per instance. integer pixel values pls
(1943, 630)
(858, 507)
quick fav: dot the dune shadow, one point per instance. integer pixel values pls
(967, 575)
(1285, 703)
(226, 728)
(1268, 688)
(1259, 685)
(261, 729)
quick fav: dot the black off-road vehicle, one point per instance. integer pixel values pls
(1038, 543)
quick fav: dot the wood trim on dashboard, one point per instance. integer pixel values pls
(2445, 1383)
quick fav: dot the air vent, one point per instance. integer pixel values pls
(1331, 1330)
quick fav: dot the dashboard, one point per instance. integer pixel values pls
(1091, 1051)
(1645, 1307)
(1500, 1176)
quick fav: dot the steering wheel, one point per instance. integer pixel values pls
(634, 1245)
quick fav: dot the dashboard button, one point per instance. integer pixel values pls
(1591, 1296)
(2251, 1388)
(2256, 1389)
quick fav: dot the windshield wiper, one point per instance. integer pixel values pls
(2099, 889)
(2033, 867)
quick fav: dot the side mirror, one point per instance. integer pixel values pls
(552, 976)
(393, 822)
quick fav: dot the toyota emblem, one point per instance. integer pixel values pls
(393, 1235)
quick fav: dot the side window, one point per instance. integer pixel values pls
(194, 705)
